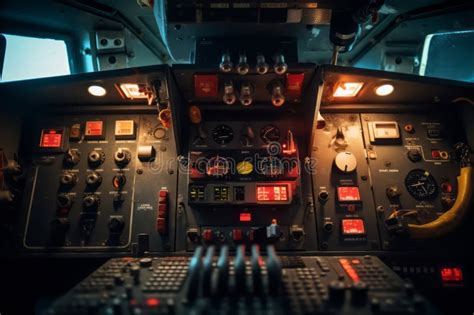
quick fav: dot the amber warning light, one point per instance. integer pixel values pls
(348, 89)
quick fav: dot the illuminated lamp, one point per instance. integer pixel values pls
(348, 89)
(384, 89)
(96, 90)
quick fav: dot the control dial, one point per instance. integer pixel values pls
(96, 158)
(222, 134)
(93, 180)
(91, 202)
(72, 158)
(421, 184)
(346, 162)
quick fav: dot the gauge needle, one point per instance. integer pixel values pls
(417, 184)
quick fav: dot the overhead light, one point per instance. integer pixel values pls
(96, 90)
(134, 90)
(348, 89)
(384, 89)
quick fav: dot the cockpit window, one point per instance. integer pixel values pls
(30, 57)
(449, 56)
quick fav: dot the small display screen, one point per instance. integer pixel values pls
(51, 138)
(348, 193)
(451, 274)
(272, 193)
(353, 227)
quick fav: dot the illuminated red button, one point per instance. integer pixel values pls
(205, 85)
(152, 302)
(161, 225)
(162, 211)
(94, 129)
(237, 235)
(163, 196)
(353, 227)
(435, 154)
(207, 235)
(294, 84)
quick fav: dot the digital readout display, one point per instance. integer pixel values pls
(353, 227)
(348, 193)
(51, 138)
(272, 193)
(451, 274)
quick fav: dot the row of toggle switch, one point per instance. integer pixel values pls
(280, 67)
(245, 96)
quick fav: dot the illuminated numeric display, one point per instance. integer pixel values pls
(272, 193)
(51, 138)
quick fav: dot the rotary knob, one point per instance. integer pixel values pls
(345, 162)
(93, 180)
(68, 179)
(116, 224)
(72, 158)
(122, 157)
(91, 202)
(96, 158)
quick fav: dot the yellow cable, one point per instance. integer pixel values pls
(452, 218)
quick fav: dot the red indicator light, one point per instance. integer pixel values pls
(294, 84)
(152, 302)
(205, 85)
(51, 138)
(272, 193)
(245, 217)
(353, 227)
(345, 193)
(452, 274)
(94, 128)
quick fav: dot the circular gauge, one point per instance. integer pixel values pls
(270, 166)
(421, 184)
(270, 133)
(217, 166)
(222, 134)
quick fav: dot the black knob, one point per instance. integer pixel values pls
(194, 270)
(64, 200)
(328, 226)
(414, 155)
(91, 202)
(207, 271)
(72, 158)
(68, 179)
(239, 266)
(273, 271)
(135, 272)
(229, 93)
(393, 192)
(337, 291)
(93, 180)
(95, 158)
(116, 224)
(122, 157)
(323, 196)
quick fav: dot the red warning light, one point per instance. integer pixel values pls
(245, 217)
(152, 302)
(451, 274)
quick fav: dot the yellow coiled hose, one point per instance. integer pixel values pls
(452, 218)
